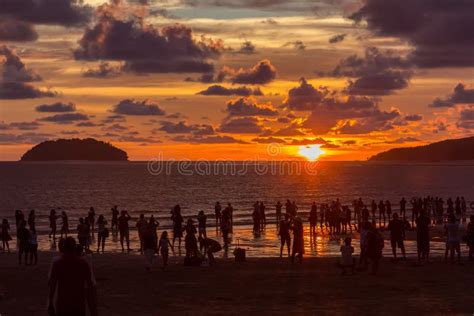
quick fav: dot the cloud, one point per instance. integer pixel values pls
(18, 17)
(304, 97)
(376, 73)
(262, 73)
(221, 90)
(248, 106)
(88, 124)
(337, 38)
(15, 78)
(439, 31)
(132, 107)
(56, 107)
(143, 47)
(26, 126)
(17, 31)
(308, 141)
(460, 95)
(466, 118)
(104, 70)
(298, 45)
(413, 117)
(292, 130)
(25, 138)
(114, 119)
(242, 125)
(65, 118)
(183, 128)
(247, 48)
(218, 139)
(268, 140)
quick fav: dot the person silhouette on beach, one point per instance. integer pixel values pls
(313, 219)
(453, 239)
(102, 232)
(256, 218)
(19, 217)
(33, 247)
(373, 208)
(71, 284)
(397, 235)
(82, 235)
(190, 241)
(153, 225)
(149, 246)
(52, 223)
(284, 233)
(403, 204)
(23, 236)
(373, 247)
(470, 237)
(382, 212)
(64, 224)
(202, 218)
(124, 230)
(32, 220)
(5, 234)
(278, 208)
(217, 214)
(263, 217)
(163, 248)
(423, 236)
(177, 225)
(91, 217)
(114, 222)
(226, 225)
(208, 246)
(298, 240)
(141, 228)
(347, 261)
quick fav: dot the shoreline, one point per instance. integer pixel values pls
(266, 286)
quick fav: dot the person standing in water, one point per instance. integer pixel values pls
(124, 230)
(373, 247)
(284, 232)
(202, 218)
(453, 239)
(65, 224)
(141, 228)
(32, 220)
(403, 204)
(313, 219)
(298, 240)
(5, 235)
(190, 241)
(423, 236)
(148, 246)
(263, 218)
(177, 225)
(23, 236)
(52, 223)
(397, 235)
(217, 213)
(102, 232)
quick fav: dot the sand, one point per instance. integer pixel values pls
(265, 286)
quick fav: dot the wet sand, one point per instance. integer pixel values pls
(265, 286)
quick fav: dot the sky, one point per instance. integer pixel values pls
(236, 79)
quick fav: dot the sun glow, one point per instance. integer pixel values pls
(311, 152)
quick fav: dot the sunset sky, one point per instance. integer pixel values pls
(223, 79)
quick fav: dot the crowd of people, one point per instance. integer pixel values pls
(332, 218)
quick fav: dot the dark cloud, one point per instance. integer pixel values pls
(466, 118)
(144, 48)
(440, 31)
(248, 106)
(337, 38)
(413, 117)
(218, 139)
(26, 126)
(114, 119)
(291, 130)
(132, 107)
(221, 90)
(70, 132)
(56, 107)
(242, 125)
(376, 73)
(304, 97)
(460, 95)
(25, 138)
(88, 124)
(104, 70)
(268, 140)
(262, 73)
(247, 48)
(15, 77)
(298, 45)
(17, 31)
(308, 141)
(183, 128)
(65, 118)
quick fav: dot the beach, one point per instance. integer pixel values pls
(264, 286)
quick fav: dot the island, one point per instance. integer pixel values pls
(447, 150)
(88, 149)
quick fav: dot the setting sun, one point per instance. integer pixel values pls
(311, 152)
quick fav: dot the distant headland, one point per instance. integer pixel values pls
(75, 149)
(447, 150)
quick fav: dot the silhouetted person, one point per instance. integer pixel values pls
(71, 281)
(102, 232)
(177, 225)
(397, 235)
(64, 225)
(115, 214)
(32, 220)
(91, 217)
(470, 237)
(190, 241)
(382, 212)
(23, 236)
(263, 217)
(163, 248)
(52, 223)
(217, 214)
(141, 228)
(19, 217)
(364, 227)
(278, 207)
(388, 209)
(313, 218)
(423, 236)
(82, 233)
(284, 232)
(208, 247)
(149, 246)
(298, 240)
(374, 244)
(226, 225)
(403, 204)
(373, 208)
(5, 234)
(347, 262)
(153, 225)
(202, 219)
(453, 239)
(33, 247)
(124, 230)
(256, 218)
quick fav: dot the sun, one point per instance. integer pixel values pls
(311, 152)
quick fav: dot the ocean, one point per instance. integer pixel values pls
(154, 188)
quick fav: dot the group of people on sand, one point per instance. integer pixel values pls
(27, 238)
